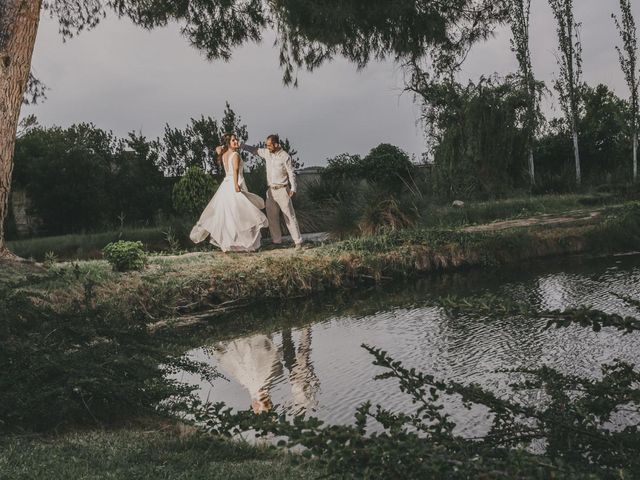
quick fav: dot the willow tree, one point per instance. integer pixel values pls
(569, 83)
(308, 34)
(519, 15)
(628, 56)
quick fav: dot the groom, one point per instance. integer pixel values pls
(282, 188)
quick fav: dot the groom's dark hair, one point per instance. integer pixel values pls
(275, 138)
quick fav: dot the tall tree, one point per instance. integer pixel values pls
(195, 145)
(519, 21)
(18, 28)
(628, 56)
(569, 83)
(476, 135)
(309, 33)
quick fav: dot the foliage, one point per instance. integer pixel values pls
(195, 146)
(83, 178)
(308, 34)
(407, 30)
(124, 256)
(66, 174)
(478, 143)
(87, 366)
(35, 91)
(519, 15)
(604, 143)
(138, 190)
(387, 215)
(193, 191)
(256, 177)
(628, 56)
(604, 139)
(569, 82)
(386, 166)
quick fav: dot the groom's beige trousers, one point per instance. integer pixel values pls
(278, 200)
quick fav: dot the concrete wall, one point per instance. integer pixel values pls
(308, 175)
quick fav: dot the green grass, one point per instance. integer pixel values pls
(137, 454)
(89, 246)
(86, 246)
(519, 207)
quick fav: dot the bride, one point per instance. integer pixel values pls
(232, 220)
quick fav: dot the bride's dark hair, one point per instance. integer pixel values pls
(226, 140)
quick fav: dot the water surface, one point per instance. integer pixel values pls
(307, 357)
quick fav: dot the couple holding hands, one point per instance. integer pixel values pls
(233, 218)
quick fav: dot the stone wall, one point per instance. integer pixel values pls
(26, 225)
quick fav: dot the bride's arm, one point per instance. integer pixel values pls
(236, 167)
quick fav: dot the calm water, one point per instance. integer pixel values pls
(307, 358)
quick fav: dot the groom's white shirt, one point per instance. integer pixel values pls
(279, 168)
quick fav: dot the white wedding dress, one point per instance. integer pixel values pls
(232, 220)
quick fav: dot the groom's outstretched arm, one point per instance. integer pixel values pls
(249, 148)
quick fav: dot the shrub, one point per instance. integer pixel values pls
(87, 366)
(385, 166)
(192, 193)
(386, 215)
(123, 255)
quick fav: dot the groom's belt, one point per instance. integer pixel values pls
(277, 187)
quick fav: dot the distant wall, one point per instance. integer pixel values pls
(308, 175)
(26, 225)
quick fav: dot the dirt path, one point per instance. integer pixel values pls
(551, 219)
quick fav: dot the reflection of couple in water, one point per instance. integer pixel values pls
(255, 362)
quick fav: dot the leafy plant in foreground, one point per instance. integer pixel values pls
(89, 366)
(123, 255)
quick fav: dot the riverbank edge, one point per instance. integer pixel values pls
(180, 290)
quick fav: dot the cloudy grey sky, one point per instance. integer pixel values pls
(123, 78)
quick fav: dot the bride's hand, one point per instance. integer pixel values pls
(237, 187)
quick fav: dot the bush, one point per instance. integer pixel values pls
(385, 166)
(192, 193)
(124, 256)
(87, 366)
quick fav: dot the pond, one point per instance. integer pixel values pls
(306, 357)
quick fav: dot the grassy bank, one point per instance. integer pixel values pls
(471, 213)
(174, 286)
(87, 245)
(312, 218)
(142, 454)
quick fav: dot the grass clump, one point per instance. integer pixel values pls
(124, 256)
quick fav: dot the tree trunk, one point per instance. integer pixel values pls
(635, 156)
(17, 39)
(532, 172)
(576, 154)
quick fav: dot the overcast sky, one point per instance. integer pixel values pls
(123, 78)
